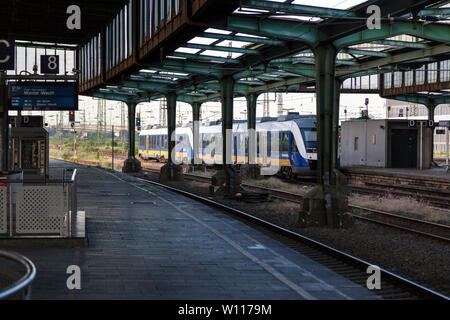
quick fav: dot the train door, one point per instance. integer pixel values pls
(265, 148)
(403, 148)
(146, 145)
(213, 147)
(159, 145)
(236, 147)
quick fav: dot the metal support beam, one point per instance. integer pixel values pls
(327, 91)
(131, 164)
(196, 131)
(226, 96)
(131, 129)
(4, 122)
(278, 29)
(251, 125)
(297, 9)
(171, 124)
(435, 32)
(366, 53)
(406, 44)
(431, 108)
(270, 42)
(221, 48)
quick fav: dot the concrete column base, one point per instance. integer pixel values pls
(325, 206)
(219, 183)
(250, 171)
(171, 172)
(131, 165)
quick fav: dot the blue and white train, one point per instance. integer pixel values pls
(294, 147)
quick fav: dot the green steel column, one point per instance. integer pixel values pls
(171, 122)
(325, 60)
(131, 129)
(196, 131)
(226, 96)
(335, 129)
(251, 126)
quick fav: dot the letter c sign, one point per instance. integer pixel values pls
(7, 54)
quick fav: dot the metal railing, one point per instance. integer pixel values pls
(16, 276)
(39, 203)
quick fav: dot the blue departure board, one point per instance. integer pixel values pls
(49, 96)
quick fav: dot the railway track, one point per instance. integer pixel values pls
(393, 286)
(398, 222)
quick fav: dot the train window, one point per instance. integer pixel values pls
(165, 143)
(356, 143)
(310, 138)
(285, 142)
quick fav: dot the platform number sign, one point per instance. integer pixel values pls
(7, 56)
(418, 123)
(49, 64)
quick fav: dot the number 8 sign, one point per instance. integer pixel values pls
(49, 64)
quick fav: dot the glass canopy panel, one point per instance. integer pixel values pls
(234, 44)
(187, 50)
(200, 40)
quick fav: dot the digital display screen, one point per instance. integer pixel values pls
(49, 96)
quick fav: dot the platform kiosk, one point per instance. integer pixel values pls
(29, 147)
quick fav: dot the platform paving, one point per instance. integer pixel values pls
(145, 242)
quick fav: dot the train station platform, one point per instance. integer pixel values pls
(145, 242)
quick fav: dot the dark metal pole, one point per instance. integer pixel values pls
(196, 131)
(4, 125)
(226, 92)
(251, 126)
(325, 56)
(431, 107)
(131, 128)
(112, 147)
(171, 123)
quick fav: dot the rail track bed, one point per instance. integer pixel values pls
(393, 286)
(399, 222)
(395, 222)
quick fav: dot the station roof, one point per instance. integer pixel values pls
(268, 46)
(45, 20)
(264, 45)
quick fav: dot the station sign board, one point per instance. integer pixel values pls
(418, 123)
(444, 124)
(43, 96)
